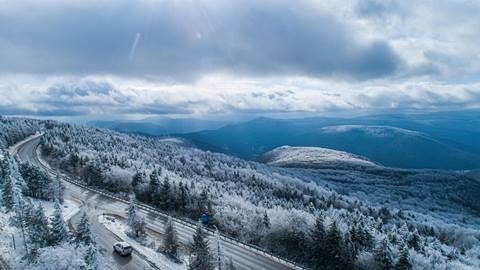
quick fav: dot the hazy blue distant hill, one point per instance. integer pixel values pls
(159, 126)
(436, 140)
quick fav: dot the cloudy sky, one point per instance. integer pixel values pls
(127, 59)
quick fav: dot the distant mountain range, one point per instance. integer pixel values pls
(446, 140)
(158, 126)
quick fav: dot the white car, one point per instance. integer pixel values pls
(123, 248)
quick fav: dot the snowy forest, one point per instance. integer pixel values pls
(320, 218)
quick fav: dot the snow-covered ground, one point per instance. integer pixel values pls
(69, 209)
(313, 157)
(118, 227)
(376, 131)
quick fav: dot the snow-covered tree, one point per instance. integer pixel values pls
(91, 258)
(59, 232)
(134, 222)
(334, 247)
(164, 196)
(200, 258)
(219, 253)
(403, 261)
(57, 189)
(38, 228)
(7, 192)
(382, 254)
(38, 184)
(170, 241)
(83, 235)
(317, 246)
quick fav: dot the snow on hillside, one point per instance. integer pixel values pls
(374, 131)
(313, 157)
(281, 209)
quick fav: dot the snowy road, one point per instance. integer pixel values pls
(93, 205)
(96, 204)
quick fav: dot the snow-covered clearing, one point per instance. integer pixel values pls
(118, 227)
(69, 209)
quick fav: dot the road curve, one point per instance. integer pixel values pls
(89, 203)
(96, 203)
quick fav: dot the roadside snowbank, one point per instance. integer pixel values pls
(118, 228)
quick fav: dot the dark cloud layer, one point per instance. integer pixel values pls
(180, 40)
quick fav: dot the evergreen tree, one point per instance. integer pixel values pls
(164, 201)
(59, 232)
(83, 234)
(170, 241)
(135, 223)
(382, 255)
(317, 247)
(413, 241)
(131, 213)
(183, 196)
(219, 252)
(57, 189)
(38, 184)
(38, 229)
(154, 187)
(403, 262)
(91, 260)
(137, 179)
(334, 248)
(266, 220)
(7, 193)
(4, 168)
(21, 207)
(201, 258)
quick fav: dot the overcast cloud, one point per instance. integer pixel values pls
(226, 57)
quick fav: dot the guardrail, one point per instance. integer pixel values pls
(179, 220)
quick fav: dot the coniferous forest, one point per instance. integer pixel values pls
(323, 219)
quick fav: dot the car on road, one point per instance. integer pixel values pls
(123, 248)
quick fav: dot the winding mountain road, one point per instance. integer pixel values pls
(95, 203)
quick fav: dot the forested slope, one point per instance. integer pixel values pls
(294, 213)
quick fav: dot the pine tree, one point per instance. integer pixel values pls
(317, 247)
(137, 179)
(164, 201)
(170, 241)
(7, 193)
(201, 258)
(403, 262)
(91, 260)
(57, 189)
(219, 252)
(37, 182)
(59, 232)
(83, 234)
(154, 187)
(131, 213)
(38, 229)
(413, 241)
(4, 168)
(266, 220)
(183, 197)
(382, 255)
(21, 219)
(134, 222)
(334, 248)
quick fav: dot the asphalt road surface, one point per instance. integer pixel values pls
(95, 204)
